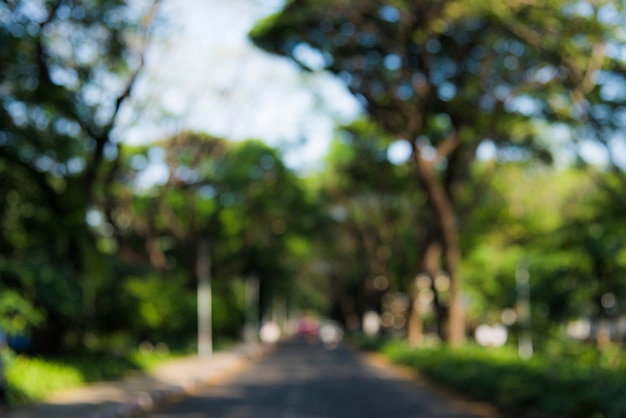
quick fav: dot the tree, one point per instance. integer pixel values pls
(365, 245)
(525, 222)
(239, 196)
(66, 70)
(446, 76)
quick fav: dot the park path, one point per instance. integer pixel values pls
(306, 380)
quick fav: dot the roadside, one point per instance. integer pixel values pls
(141, 392)
(567, 383)
(382, 363)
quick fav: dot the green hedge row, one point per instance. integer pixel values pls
(563, 384)
(30, 379)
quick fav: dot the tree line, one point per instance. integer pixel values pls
(93, 254)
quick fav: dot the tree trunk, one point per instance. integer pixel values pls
(447, 222)
(415, 326)
(429, 265)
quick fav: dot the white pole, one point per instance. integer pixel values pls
(205, 331)
(522, 282)
(252, 308)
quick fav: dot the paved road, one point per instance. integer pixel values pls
(300, 380)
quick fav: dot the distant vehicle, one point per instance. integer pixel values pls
(308, 328)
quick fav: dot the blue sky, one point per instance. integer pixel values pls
(204, 74)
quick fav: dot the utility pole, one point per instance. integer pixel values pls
(205, 329)
(522, 282)
(252, 309)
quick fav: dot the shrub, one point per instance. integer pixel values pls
(31, 379)
(579, 385)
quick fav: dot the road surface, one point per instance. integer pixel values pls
(303, 380)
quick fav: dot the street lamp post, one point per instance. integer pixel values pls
(205, 329)
(522, 282)
(252, 309)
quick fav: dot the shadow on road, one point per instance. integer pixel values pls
(303, 379)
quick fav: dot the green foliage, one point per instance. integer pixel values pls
(31, 379)
(471, 62)
(164, 309)
(41, 286)
(367, 226)
(557, 220)
(17, 314)
(566, 384)
(88, 251)
(229, 306)
(67, 67)
(240, 197)
(450, 76)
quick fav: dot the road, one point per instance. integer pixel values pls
(302, 380)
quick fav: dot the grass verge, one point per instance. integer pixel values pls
(566, 383)
(31, 379)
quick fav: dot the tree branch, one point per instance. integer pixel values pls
(50, 195)
(448, 145)
(105, 136)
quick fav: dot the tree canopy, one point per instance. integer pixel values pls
(498, 104)
(449, 76)
(66, 70)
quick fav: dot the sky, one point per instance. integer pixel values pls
(203, 74)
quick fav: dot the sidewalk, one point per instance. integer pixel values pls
(140, 392)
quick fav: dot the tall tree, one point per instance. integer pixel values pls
(367, 244)
(446, 76)
(66, 70)
(239, 196)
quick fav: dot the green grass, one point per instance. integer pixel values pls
(31, 379)
(571, 382)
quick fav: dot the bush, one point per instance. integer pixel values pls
(31, 379)
(163, 309)
(555, 386)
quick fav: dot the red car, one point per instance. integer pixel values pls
(308, 327)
